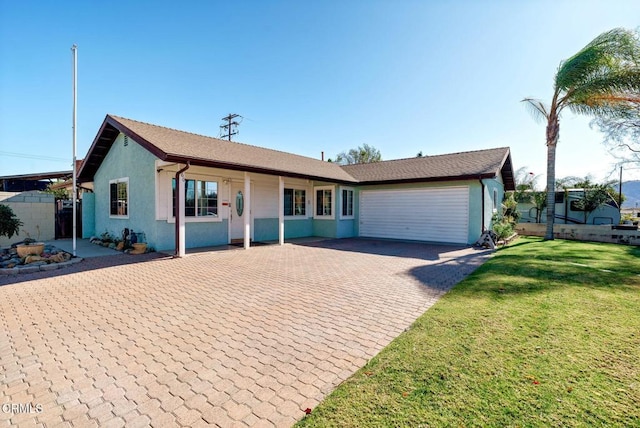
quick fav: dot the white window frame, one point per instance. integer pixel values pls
(333, 203)
(342, 203)
(194, 219)
(118, 181)
(306, 203)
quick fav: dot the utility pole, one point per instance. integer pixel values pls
(74, 50)
(230, 128)
(620, 192)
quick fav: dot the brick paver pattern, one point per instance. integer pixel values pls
(226, 338)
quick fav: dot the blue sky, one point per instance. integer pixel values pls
(403, 76)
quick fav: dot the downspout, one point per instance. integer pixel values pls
(186, 167)
(482, 199)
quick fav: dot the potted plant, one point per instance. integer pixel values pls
(29, 247)
(138, 247)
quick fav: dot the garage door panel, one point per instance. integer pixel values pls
(435, 214)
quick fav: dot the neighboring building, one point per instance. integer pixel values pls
(28, 182)
(67, 184)
(568, 210)
(233, 192)
(43, 181)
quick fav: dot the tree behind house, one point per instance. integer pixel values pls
(361, 154)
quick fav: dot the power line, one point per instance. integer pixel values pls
(231, 127)
(27, 156)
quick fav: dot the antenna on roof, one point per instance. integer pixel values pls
(230, 128)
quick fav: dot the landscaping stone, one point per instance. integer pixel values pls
(32, 259)
(51, 258)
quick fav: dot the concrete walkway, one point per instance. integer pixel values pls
(84, 248)
(227, 338)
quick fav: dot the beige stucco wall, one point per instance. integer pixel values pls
(36, 211)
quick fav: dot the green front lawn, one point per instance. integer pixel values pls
(543, 334)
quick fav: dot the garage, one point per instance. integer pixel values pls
(439, 214)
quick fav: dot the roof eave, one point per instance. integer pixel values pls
(429, 179)
(506, 171)
(104, 140)
(249, 168)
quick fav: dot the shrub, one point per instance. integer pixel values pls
(9, 223)
(503, 230)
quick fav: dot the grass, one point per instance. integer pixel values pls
(546, 333)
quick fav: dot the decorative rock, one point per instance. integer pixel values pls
(56, 258)
(31, 259)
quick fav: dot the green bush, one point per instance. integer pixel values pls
(503, 230)
(9, 223)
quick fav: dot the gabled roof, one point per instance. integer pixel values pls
(455, 166)
(178, 146)
(172, 145)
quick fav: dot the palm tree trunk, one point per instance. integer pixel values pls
(551, 194)
(553, 132)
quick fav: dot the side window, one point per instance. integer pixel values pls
(119, 197)
(347, 203)
(324, 202)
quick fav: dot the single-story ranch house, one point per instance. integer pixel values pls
(185, 190)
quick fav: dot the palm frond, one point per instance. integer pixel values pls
(622, 105)
(537, 108)
(620, 81)
(618, 49)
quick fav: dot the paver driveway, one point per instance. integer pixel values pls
(229, 338)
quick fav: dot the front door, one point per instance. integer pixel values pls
(237, 211)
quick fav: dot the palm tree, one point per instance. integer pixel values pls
(602, 80)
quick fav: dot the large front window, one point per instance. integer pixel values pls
(294, 202)
(200, 198)
(119, 197)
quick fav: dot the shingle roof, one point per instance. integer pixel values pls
(178, 146)
(466, 165)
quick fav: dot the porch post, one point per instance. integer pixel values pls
(247, 211)
(281, 210)
(181, 224)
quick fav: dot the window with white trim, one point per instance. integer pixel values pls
(324, 202)
(295, 202)
(200, 198)
(347, 202)
(119, 197)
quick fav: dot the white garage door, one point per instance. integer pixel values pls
(435, 214)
